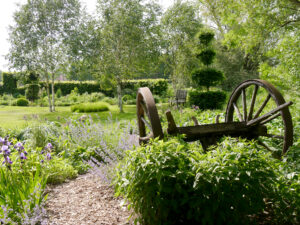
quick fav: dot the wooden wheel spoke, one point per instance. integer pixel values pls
(144, 107)
(244, 103)
(146, 139)
(238, 112)
(146, 123)
(269, 114)
(262, 106)
(271, 118)
(252, 102)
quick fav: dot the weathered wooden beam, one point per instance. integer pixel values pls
(172, 128)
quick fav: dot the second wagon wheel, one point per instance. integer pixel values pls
(257, 102)
(147, 116)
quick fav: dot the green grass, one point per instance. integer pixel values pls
(18, 117)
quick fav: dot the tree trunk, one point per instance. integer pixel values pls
(119, 93)
(48, 93)
(53, 93)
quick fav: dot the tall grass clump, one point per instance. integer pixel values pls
(173, 182)
(90, 107)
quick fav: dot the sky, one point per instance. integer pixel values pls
(8, 7)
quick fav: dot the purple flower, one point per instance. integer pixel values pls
(19, 146)
(48, 156)
(4, 148)
(49, 146)
(25, 153)
(2, 140)
(22, 156)
(42, 161)
(7, 160)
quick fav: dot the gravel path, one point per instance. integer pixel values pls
(85, 200)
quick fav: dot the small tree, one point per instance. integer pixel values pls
(208, 76)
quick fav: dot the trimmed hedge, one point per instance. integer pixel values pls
(207, 100)
(32, 92)
(157, 86)
(87, 86)
(90, 107)
(9, 82)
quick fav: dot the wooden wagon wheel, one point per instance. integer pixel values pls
(147, 116)
(266, 104)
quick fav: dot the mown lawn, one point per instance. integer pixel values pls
(18, 117)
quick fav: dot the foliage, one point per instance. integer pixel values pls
(66, 87)
(39, 37)
(125, 25)
(59, 171)
(172, 182)
(207, 100)
(58, 93)
(180, 23)
(206, 56)
(266, 31)
(32, 92)
(22, 102)
(90, 107)
(207, 77)
(21, 184)
(157, 86)
(9, 82)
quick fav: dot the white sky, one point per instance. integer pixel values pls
(7, 8)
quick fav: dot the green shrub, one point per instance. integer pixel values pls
(9, 82)
(111, 101)
(90, 107)
(59, 171)
(207, 56)
(22, 102)
(32, 92)
(207, 100)
(207, 77)
(172, 182)
(58, 93)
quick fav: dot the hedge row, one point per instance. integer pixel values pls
(157, 86)
(87, 86)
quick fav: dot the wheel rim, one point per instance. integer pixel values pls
(264, 97)
(147, 116)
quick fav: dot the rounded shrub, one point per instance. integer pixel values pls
(90, 107)
(207, 100)
(172, 182)
(58, 93)
(22, 102)
(206, 56)
(207, 77)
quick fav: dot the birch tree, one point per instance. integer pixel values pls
(39, 38)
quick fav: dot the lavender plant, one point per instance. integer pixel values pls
(100, 145)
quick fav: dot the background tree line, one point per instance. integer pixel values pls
(135, 38)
